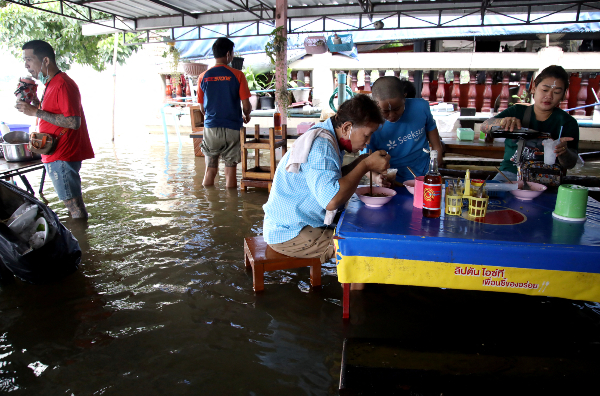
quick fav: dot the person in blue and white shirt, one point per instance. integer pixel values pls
(409, 128)
(310, 182)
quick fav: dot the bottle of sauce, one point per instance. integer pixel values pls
(277, 121)
(432, 189)
(467, 192)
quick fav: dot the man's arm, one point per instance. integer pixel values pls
(436, 144)
(378, 161)
(348, 168)
(60, 120)
(246, 108)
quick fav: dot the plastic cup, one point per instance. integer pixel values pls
(549, 154)
(391, 175)
(418, 195)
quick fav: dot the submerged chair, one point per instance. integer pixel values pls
(259, 257)
(260, 176)
(197, 120)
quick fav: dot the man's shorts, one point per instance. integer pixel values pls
(222, 142)
(310, 243)
(65, 178)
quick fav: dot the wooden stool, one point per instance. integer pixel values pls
(197, 119)
(260, 176)
(261, 258)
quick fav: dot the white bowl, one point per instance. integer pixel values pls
(528, 195)
(410, 186)
(375, 202)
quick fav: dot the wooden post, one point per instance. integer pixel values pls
(367, 80)
(472, 89)
(411, 75)
(257, 151)
(487, 93)
(244, 151)
(354, 80)
(397, 73)
(440, 88)
(582, 95)
(456, 89)
(281, 7)
(504, 92)
(522, 83)
(425, 93)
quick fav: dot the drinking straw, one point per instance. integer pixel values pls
(411, 171)
(560, 133)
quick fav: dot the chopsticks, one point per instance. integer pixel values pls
(411, 171)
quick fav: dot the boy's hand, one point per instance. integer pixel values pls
(379, 161)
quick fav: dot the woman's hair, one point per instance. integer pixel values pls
(553, 72)
(360, 110)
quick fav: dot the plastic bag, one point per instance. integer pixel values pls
(57, 258)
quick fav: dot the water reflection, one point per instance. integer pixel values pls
(163, 303)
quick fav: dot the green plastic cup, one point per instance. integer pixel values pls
(571, 202)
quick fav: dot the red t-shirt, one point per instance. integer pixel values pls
(62, 97)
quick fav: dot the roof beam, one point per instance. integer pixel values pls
(172, 7)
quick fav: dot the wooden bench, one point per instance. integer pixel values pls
(261, 258)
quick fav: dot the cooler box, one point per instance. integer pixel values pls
(465, 133)
(19, 127)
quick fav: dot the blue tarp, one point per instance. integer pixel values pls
(411, 30)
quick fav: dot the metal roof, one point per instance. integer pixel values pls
(151, 15)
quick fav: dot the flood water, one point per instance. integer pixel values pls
(162, 304)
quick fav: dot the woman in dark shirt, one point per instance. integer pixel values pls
(549, 89)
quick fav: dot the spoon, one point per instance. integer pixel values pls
(371, 179)
(480, 191)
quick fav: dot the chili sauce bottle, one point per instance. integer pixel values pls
(432, 189)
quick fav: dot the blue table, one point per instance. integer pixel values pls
(518, 248)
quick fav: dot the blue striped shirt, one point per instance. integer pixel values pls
(299, 199)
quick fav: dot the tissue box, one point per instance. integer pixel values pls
(465, 133)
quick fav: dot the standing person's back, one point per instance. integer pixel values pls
(220, 90)
(223, 88)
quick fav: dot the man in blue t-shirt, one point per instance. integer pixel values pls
(409, 128)
(220, 90)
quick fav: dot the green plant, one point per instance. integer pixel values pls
(19, 25)
(276, 44)
(173, 55)
(251, 79)
(524, 98)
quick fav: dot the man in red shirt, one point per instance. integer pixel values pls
(60, 114)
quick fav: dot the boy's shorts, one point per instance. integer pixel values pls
(222, 142)
(65, 178)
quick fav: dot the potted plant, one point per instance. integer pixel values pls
(252, 86)
(276, 44)
(267, 99)
(238, 61)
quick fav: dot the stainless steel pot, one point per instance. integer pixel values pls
(15, 147)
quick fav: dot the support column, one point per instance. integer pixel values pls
(368, 80)
(487, 93)
(522, 83)
(472, 89)
(411, 75)
(397, 73)
(456, 89)
(354, 80)
(295, 76)
(425, 93)
(504, 93)
(281, 7)
(582, 95)
(307, 81)
(441, 82)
